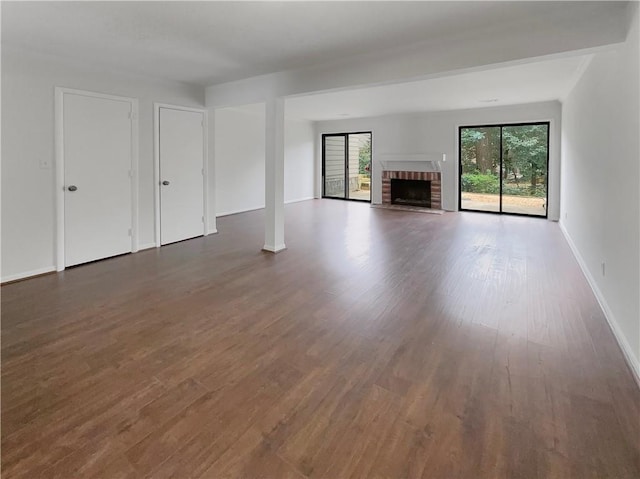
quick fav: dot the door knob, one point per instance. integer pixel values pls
(165, 182)
(72, 188)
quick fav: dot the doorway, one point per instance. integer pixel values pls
(504, 168)
(346, 166)
(96, 176)
(181, 173)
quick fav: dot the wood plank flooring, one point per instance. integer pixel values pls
(380, 344)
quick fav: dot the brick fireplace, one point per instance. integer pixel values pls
(413, 192)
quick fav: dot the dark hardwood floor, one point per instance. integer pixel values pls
(381, 344)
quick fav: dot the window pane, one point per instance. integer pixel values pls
(480, 168)
(524, 169)
(360, 166)
(334, 166)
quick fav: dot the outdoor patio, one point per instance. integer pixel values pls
(526, 205)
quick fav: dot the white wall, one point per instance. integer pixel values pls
(600, 182)
(239, 156)
(28, 215)
(299, 160)
(437, 132)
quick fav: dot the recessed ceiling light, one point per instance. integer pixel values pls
(489, 100)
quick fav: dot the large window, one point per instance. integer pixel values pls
(346, 166)
(503, 168)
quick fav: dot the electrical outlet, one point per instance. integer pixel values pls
(603, 270)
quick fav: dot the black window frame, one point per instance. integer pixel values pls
(346, 146)
(501, 126)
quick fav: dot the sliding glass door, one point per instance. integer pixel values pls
(504, 168)
(346, 166)
(334, 165)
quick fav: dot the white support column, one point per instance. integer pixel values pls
(274, 175)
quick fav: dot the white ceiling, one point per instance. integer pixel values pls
(528, 83)
(211, 42)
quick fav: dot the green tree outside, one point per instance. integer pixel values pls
(524, 160)
(364, 158)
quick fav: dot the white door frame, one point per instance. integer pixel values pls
(59, 166)
(156, 163)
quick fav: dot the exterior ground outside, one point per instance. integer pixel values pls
(528, 205)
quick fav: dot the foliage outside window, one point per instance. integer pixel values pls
(364, 158)
(524, 156)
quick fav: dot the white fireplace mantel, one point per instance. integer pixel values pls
(413, 162)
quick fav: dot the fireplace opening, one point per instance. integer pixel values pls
(411, 192)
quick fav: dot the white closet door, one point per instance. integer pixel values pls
(97, 182)
(181, 174)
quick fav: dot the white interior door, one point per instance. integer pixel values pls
(181, 152)
(97, 177)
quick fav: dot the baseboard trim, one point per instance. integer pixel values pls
(627, 352)
(27, 274)
(212, 231)
(288, 202)
(274, 249)
(147, 246)
(235, 212)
